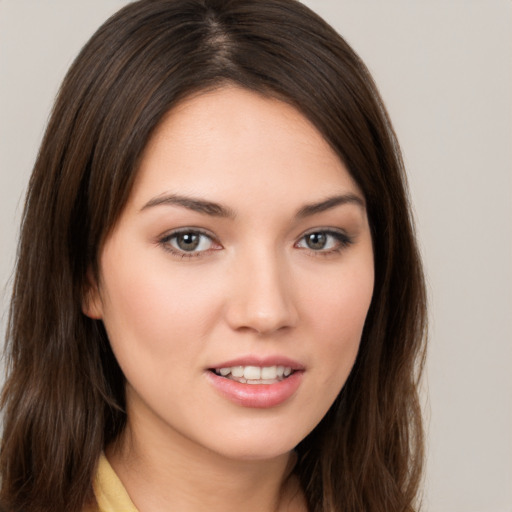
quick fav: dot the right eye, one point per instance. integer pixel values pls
(188, 242)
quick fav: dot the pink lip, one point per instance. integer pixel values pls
(259, 396)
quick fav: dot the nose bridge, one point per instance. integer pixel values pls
(262, 298)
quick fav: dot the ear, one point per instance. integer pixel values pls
(91, 301)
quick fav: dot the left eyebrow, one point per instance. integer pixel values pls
(330, 202)
(191, 203)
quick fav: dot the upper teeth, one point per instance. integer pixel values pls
(255, 372)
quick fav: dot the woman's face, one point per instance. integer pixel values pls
(235, 285)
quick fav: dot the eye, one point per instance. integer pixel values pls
(325, 241)
(188, 242)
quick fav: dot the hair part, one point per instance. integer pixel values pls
(64, 397)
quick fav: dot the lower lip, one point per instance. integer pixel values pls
(261, 396)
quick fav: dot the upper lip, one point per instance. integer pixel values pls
(266, 361)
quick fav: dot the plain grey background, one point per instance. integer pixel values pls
(444, 69)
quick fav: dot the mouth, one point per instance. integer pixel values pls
(254, 374)
(255, 383)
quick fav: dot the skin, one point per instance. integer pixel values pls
(253, 287)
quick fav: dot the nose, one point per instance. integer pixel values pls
(262, 299)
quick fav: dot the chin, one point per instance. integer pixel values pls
(257, 441)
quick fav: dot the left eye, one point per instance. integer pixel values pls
(189, 241)
(323, 241)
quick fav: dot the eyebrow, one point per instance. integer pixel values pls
(194, 204)
(217, 210)
(330, 202)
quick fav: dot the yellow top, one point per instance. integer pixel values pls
(109, 491)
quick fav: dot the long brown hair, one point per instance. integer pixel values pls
(64, 397)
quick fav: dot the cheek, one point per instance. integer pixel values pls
(337, 313)
(336, 317)
(153, 310)
(340, 301)
(150, 321)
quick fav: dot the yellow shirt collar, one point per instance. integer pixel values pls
(109, 491)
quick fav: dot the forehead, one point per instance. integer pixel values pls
(234, 142)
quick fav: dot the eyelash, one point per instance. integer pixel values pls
(165, 242)
(342, 241)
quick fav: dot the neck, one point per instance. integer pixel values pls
(173, 473)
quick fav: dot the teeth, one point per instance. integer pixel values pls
(255, 374)
(252, 373)
(269, 373)
(237, 371)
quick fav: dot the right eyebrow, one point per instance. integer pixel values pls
(191, 203)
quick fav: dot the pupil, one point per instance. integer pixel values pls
(316, 240)
(188, 241)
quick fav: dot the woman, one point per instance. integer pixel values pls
(218, 297)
